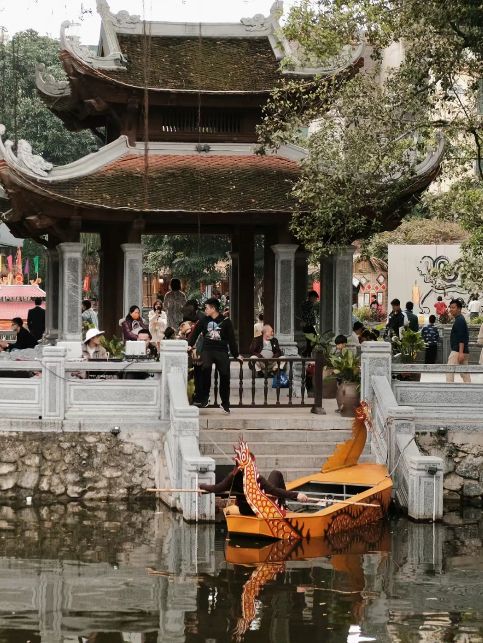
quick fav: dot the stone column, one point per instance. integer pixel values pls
(53, 385)
(70, 291)
(327, 294)
(133, 275)
(376, 359)
(343, 270)
(269, 277)
(284, 296)
(52, 298)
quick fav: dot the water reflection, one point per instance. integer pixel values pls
(81, 574)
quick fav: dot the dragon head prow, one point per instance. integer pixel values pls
(243, 455)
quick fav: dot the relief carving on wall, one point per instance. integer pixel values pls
(444, 285)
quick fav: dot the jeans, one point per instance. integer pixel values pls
(453, 359)
(222, 362)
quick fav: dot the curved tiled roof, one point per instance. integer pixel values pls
(207, 64)
(185, 183)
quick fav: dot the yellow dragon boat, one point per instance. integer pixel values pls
(346, 495)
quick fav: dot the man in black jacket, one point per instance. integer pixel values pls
(36, 320)
(218, 340)
(265, 346)
(24, 338)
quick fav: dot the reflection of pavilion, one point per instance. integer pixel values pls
(205, 86)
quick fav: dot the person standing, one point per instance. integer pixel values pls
(174, 301)
(396, 319)
(36, 320)
(459, 340)
(430, 334)
(309, 321)
(89, 316)
(474, 307)
(440, 307)
(158, 322)
(413, 322)
(218, 340)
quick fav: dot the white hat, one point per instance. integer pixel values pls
(91, 333)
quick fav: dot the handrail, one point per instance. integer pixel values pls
(437, 368)
(83, 365)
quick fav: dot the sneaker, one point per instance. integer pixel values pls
(202, 405)
(225, 409)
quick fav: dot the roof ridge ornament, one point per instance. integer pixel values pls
(121, 20)
(48, 84)
(25, 160)
(113, 60)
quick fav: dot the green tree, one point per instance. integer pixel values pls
(373, 128)
(22, 111)
(193, 258)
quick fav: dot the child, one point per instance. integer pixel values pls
(340, 344)
(431, 338)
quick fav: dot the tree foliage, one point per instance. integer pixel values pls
(21, 110)
(193, 258)
(414, 231)
(375, 127)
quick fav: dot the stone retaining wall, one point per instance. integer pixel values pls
(65, 466)
(462, 454)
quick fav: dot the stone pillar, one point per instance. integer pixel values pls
(52, 298)
(327, 294)
(70, 290)
(111, 270)
(234, 255)
(343, 264)
(53, 385)
(376, 359)
(133, 275)
(284, 296)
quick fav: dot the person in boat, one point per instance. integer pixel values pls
(274, 486)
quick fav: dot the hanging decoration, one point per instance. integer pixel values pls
(18, 260)
(26, 270)
(10, 263)
(36, 265)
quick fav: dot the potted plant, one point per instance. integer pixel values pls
(347, 369)
(408, 346)
(324, 343)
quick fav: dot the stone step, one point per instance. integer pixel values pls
(276, 421)
(283, 436)
(266, 463)
(272, 448)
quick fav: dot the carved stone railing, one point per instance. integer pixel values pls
(72, 395)
(418, 479)
(186, 467)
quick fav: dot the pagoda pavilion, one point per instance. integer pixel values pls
(176, 106)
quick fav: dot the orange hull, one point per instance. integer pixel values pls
(333, 520)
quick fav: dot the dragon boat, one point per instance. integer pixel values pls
(345, 495)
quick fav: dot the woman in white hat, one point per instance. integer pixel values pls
(91, 348)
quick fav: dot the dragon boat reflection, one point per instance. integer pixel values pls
(320, 573)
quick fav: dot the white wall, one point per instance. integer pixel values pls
(410, 265)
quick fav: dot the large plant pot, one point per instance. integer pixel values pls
(348, 398)
(329, 384)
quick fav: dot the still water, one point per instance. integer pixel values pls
(114, 574)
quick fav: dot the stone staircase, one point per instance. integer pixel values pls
(295, 442)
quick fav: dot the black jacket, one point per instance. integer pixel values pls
(36, 322)
(218, 335)
(257, 345)
(234, 483)
(24, 340)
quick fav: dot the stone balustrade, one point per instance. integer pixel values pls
(152, 429)
(418, 478)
